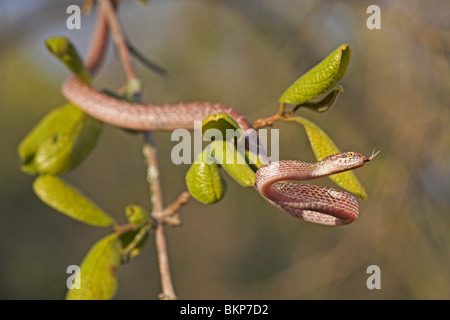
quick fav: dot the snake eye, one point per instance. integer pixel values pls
(350, 155)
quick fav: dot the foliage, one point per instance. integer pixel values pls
(66, 136)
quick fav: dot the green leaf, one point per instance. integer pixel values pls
(244, 168)
(221, 122)
(204, 181)
(98, 271)
(132, 242)
(61, 48)
(323, 104)
(136, 214)
(59, 142)
(55, 121)
(233, 162)
(66, 135)
(69, 201)
(253, 160)
(319, 79)
(322, 147)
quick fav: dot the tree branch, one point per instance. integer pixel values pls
(150, 152)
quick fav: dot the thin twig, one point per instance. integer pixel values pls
(169, 215)
(146, 62)
(133, 87)
(117, 34)
(120, 229)
(260, 123)
(268, 122)
(150, 154)
(130, 250)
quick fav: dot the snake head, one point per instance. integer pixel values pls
(344, 161)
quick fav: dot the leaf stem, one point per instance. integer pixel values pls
(267, 122)
(282, 107)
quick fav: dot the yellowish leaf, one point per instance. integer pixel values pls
(98, 271)
(322, 147)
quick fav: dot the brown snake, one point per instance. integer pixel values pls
(311, 203)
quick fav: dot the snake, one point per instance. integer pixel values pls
(312, 203)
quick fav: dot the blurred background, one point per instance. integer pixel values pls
(244, 54)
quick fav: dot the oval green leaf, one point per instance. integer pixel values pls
(59, 142)
(63, 49)
(136, 214)
(319, 79)
(253, 160)
(204, 181)
(132, 242)
(323, 104)
(57, 120)
(98, 271)
(69, 201)
(322, 147)
(233, 162)
(221, 122)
